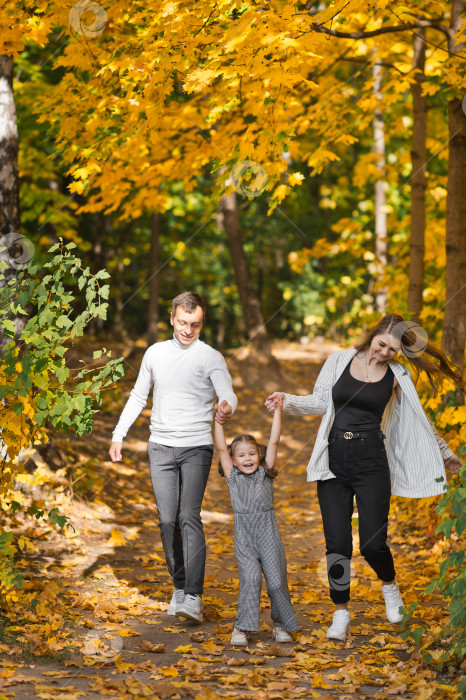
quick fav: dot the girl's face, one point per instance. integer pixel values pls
(246, 457)
(384, 347)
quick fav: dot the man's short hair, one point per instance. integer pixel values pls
(189, 301)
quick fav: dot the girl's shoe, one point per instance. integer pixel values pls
(280, 635)
(393, 601)
(340, 627)
(238, 638)
(176, 601)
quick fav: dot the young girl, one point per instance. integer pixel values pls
(249, 470)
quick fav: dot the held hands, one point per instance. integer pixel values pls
(275, 401)
(115, 451)
(452, 464)
(224, 411)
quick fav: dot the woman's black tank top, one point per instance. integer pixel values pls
(360, 405)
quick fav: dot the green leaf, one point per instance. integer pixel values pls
(417, 634)
(9, 328)
(64, 322)
(62, 373)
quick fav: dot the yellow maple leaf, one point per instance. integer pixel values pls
(169, 671)
(116, 539)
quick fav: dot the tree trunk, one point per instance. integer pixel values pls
(119, 289)
(229, 220)
(418, 180)
(10, 237)
(454, 325)
(380, 212)
(9, 178)
(96, 223)
(154, 280)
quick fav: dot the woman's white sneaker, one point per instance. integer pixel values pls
(393, 601)
(176, 601)
(191, 608)
(280, 635)
(238, 638)
(340, 627)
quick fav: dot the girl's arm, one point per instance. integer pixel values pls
(221, 445)
(272, 447)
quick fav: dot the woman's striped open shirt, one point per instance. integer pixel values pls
(415, 451)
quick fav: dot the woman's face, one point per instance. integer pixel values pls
(384, 347)
(246, 457)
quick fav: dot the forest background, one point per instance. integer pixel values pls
(302, 165)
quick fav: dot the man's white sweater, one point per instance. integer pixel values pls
(186, 379)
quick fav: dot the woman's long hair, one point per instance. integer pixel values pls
(271, 472)
(415, 346)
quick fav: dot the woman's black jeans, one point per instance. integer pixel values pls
(361, 468)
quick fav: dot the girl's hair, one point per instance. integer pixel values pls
(272, 472)
(415, 346)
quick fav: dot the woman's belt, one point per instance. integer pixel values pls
(350, 435)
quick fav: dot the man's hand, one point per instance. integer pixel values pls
(452, 464)
(275, 399)
(224, 411)
(115, 451)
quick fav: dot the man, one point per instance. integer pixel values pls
(186, 374)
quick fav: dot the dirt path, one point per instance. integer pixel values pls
(112, 575)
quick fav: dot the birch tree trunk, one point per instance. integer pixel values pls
(380, 212)
(9, 179)
(454, 325)
(229, 220)
(418, 180)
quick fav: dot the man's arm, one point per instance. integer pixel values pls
(133, 407)
(221, 381)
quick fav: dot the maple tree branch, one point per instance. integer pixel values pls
(215, 7)
(410, 26)
(449, 35)
(422, 24)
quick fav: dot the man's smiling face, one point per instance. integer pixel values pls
(187, 326)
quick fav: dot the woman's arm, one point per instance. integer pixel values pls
(451, 461)
(272, 447)
(313, 404)
(221, 445)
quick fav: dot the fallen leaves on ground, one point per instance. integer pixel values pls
(95, 599)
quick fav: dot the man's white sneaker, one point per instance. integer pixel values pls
(280, 635)
(176, 601)
(238, 638)
(393, 601)
(340, 627)
(191, 608)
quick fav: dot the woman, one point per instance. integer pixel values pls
(366, 397)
